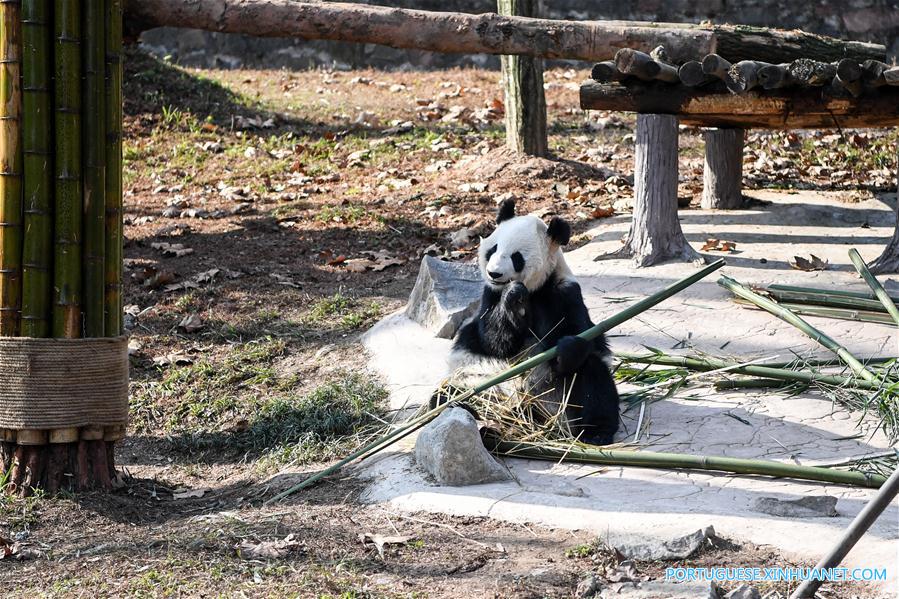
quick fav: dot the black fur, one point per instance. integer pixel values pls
(514, 321)
(506, 211)
(559, 231)
(517, 261)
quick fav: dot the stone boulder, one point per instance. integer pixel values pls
(812, 506)
(445, 294)
(451, 450)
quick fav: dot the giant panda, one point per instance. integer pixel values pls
(531, 302)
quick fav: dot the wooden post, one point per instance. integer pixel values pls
(655, 234)
(722, 177)
(888, 261)
(523, 86)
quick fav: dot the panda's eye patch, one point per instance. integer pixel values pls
(490, 252)
(517, 261)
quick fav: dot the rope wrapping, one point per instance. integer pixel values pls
(62, 383)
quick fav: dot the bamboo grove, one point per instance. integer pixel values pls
(60, 168)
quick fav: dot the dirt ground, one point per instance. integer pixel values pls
(271, 216)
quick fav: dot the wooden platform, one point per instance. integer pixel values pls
(794, 108)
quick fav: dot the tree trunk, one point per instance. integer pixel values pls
(79, 466)
(722, 179)
(794, 108)
(487, 33)
(523, 86)
(888, 261)
(655, 234)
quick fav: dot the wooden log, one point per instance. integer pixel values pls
(655, 233)
(849, 70)
(605, 72)
(743, 76)
(691, 73)
(812, 72)
(853, 88)
(891, 76)
(92, 433)
(716, 66)
(793, 108)
(525, 115)
(722, 179)
(486, 33)
(872, 73)
(644, 67)
(775, 76)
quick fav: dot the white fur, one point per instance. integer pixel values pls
(527, 235)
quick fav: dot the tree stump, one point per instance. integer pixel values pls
(655, 234)
(722, 177)
(888, 261)
(523, 85)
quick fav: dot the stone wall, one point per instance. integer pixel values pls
(864, 20)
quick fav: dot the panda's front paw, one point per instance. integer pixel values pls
(572, 352)
(515, 297)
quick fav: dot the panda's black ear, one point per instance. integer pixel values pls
(506, 211)
(559, 231)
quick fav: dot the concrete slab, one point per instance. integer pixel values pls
(805, 428)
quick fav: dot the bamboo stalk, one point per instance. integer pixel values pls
(752, 384)
(787, 316)
(37, 251)
(10, 168)
(834, 292)
(652, 459)
(874, 284)
(768, 371)
(819, 362)
(94, 155)
(825, 298)
(828, 312)
(113, 107)
(67, 278)
(520, 368)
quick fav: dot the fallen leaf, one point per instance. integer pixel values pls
(191, 323)
(809, 264)
(173, 359)
(380, 541)
(603, 212)
(172, 249)
(718, 245)
(269, 549)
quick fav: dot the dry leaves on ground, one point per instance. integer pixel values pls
(718, 245)
(809, 264)
(380, 541)
(269, 549)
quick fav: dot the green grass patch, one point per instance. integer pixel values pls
(342, 311)
(242, 403)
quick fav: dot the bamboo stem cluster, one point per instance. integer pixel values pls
(60, 168)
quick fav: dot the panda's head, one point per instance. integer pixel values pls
(522, 248)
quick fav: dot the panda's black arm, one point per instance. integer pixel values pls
(574, 351)
(496, 331)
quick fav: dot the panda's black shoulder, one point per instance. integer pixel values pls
(468, 338)
(561, 291)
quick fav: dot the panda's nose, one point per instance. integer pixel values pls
(495, 275)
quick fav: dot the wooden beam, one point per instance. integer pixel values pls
(454, 32)
(795, 108)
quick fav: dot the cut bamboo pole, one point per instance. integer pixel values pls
(10, 168)
(874, 284)
(834, 292)
(113, 106)
(825, 298)
(651, 459)
(37, 251)
(522, 367)
(67, 106)
(94, 156)
(828, 312)
(768, 371)
(787, 316)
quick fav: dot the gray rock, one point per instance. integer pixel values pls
(588, 587)
(661, 590)
(744, 591)
(823, 506)
(651, 548)
(445, 294)
(450, 449)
